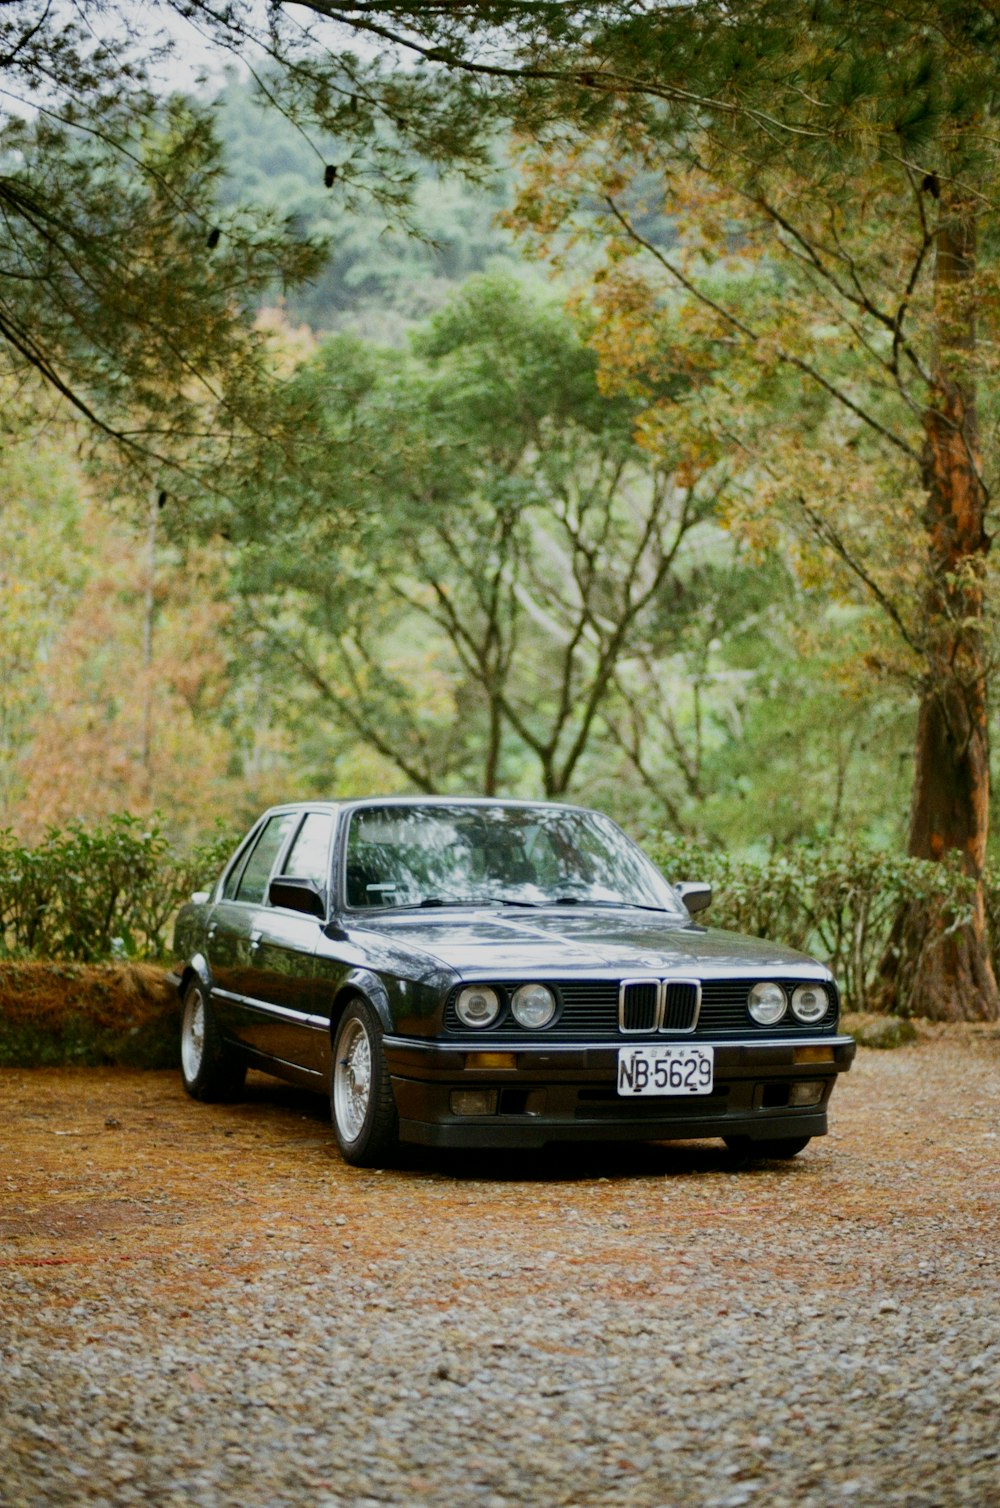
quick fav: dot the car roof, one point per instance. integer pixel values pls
(353, 803)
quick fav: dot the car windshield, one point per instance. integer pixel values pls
(508, 855)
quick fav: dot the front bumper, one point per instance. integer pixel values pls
(567, 1092)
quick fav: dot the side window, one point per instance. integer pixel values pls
(309, 856)
(233, 877)
(257, 870)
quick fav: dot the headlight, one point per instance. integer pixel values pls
(533, 1005)
(477, 1005)
(809, 1003)
(767, 1003)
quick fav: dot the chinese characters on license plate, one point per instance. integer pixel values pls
(661, 1069)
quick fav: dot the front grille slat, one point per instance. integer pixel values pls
(589, 1010)
(680, 1006)
(639, 1005)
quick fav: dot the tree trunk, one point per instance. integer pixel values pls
(148, 625)
(950, 974)
(491, 769)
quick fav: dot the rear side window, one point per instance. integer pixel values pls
(253, 881)
(236, 869)
(309, 856)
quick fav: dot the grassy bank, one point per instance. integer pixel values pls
(87, 1014)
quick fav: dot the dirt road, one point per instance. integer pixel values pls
(203, 1305)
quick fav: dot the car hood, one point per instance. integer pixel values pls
(602, 940)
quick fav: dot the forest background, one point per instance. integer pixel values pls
(591, 474)
(147, 672)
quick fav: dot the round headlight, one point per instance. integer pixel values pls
(809, 1003)
(533, 1005)
(477, 1005)
(767, 1003)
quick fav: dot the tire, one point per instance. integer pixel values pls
(781, 1147)
(365, 1122)
(210, 1070)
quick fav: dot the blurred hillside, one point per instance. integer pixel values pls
(380, 277)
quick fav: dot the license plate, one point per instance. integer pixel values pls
(661, 1069)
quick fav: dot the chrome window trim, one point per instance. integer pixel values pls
(279, 872)
(236, 863)
(296, 814)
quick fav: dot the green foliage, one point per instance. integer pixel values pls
(838, 901)
(124, 289)
(382, 268)
(471, 559)
(474, 549)
(814, 82)
(98, 893)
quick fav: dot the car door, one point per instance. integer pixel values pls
(284, 943)
(233, 932)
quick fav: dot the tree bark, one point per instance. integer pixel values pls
(491, 770)
(932, 970)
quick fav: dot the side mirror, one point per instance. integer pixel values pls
(695, 896)
(298, 895)
(199, 897)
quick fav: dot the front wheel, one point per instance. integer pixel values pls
(210, 1069)
(781, 1147)
(365, 1122)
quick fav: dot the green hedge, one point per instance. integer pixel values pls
(837, 901)
(90, 894)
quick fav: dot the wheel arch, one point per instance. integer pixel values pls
(195, 968)
(361, 984)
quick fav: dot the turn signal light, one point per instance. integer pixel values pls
(813, 1055)
(491, 1060)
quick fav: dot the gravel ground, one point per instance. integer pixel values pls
(203, 1305)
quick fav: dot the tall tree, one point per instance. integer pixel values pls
(808, 112)
(826, 99)
(480, 508)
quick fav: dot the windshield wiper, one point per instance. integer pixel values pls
(584, 900)
(430, 901)
(478, 900)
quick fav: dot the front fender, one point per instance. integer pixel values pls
(364, 982)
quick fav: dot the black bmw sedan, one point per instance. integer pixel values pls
(480, 973)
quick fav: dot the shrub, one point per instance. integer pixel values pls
(838, 901)
(97, 893)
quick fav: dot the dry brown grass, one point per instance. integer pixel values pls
(53, 1013)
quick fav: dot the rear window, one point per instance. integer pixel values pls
(253, 881)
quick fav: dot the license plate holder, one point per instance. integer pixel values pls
(662, 1068)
